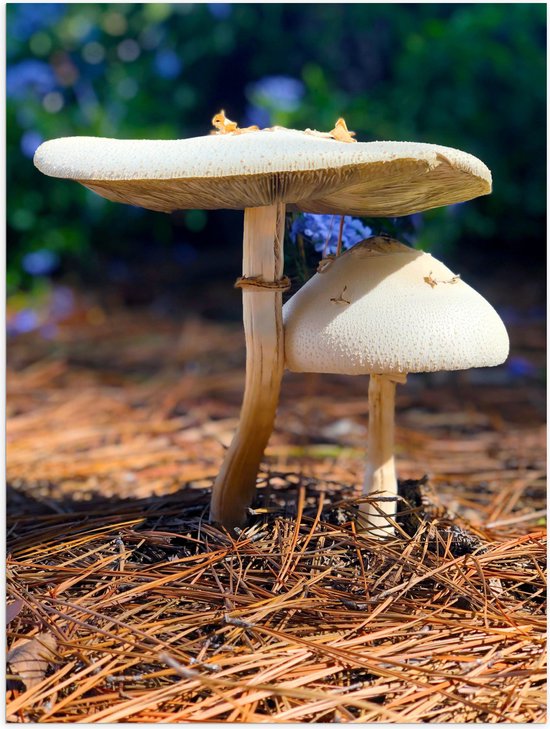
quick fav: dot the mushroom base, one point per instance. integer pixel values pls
(380, 479)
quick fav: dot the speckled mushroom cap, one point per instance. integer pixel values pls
(385, 308)
(240, 170)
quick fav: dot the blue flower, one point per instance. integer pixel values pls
(416, 220)
(520, 367)
(220, 10)
(28, 18)
(167, 63)
(29, 74)
(255, 115)
(510, 315)
(24, 321)
(323, 231)
(40, 263)
(283, 93)
(30, 141)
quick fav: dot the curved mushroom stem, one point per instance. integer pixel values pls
(263, 326)
(380, 479)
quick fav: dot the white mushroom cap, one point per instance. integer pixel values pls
(252, 169)
(407, 312)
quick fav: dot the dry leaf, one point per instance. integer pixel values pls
(29, 659)
(341, 132)
(12, 610)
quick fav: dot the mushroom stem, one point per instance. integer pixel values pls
(263, 327)
(380, 479)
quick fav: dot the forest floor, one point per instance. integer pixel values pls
(125, 604)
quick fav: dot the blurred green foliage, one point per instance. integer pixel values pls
(470, 76)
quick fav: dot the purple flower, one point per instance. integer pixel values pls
(23, 321)
(282, 93)
(58, 306)
(322, 228)
(62, 303)
(49, 331)
(40, 263)
(29, 74)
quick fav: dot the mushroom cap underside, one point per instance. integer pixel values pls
(384, 308)
(254, 169)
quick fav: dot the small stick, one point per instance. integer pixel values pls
(339, 246)
(540, 514)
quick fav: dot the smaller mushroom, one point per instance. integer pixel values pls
(385, 310)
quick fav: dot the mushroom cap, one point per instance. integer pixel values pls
(407, 312)
(256, 168)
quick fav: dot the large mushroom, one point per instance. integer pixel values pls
(385, 309)
(262, 172)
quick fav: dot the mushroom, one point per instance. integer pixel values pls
(385, 310)
(262, 172)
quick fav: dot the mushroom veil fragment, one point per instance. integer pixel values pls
(263, 172)
(403, 311)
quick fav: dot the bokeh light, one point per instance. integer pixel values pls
(128, 50)
(93, 52)
(53, 102)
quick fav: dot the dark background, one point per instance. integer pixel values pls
(470, 76)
